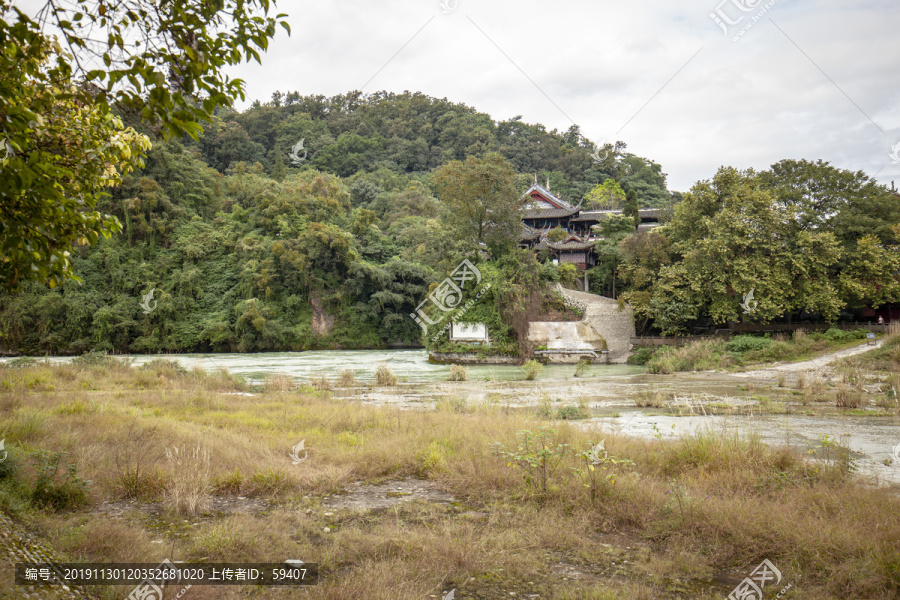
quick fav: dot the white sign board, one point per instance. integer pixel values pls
(468, 332)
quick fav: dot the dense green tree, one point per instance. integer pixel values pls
(59, 154)
(644, 254)
(62, 143)
(630, 207)
(482, 200)
(734, 235)
(612, 230)
(279, 171)
(605, 196)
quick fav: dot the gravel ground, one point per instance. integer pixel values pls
(16, 546)
(816, 364)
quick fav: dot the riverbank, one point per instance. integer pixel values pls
(413, 503)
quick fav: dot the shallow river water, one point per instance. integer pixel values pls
(607, 391)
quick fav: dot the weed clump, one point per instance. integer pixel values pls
(189, 487)
(572, 413)
(165, 367)
(279, 382)
(532, 369)
(346, 378)
(650, 398)
(323, 384)
(847, 397)
(747, 343)
(458, 373)
(57, 488)
(384, 376)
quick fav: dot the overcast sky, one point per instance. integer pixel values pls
(804, 80)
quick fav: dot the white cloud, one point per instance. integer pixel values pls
(747, 104)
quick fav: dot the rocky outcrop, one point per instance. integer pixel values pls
(322, 322)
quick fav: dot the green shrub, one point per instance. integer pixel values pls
(839, 335)
(10, 465)
(641, 355)
(92, 358)
(568, 275)
(746, 343)
(582, 368)
(699, 356)
(662, 362)
(53, 489)
(776, 351)
(572, 413)
(532, 369)
(21, 362)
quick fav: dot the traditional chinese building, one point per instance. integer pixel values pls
(543, 211)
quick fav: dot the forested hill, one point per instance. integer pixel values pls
(246, 249)
(413, 134)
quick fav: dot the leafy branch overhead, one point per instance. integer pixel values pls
(165, 59)
(66, 77)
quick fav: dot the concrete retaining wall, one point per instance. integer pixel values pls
(614, 325)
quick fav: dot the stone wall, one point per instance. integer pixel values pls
(614, 325)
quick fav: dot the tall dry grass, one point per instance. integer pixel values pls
(189, 484)
(731, 496)
(384, 376)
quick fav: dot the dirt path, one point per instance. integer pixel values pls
(814, 364)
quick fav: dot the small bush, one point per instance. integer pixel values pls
(458, 373)
(773, 352)
(581, 369)
(746, 343)
(93, 358)
(572, 413)
(651, 398)
(321, 383)
(641, 356)
(662, 362)
(53, 489)
(532, 369)
(847, 397)
(165, 367)
(384, 376)
(346, 378)
(279, 382)
(700, 356)
(839, 335)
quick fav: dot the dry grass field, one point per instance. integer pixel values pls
(196, 467)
